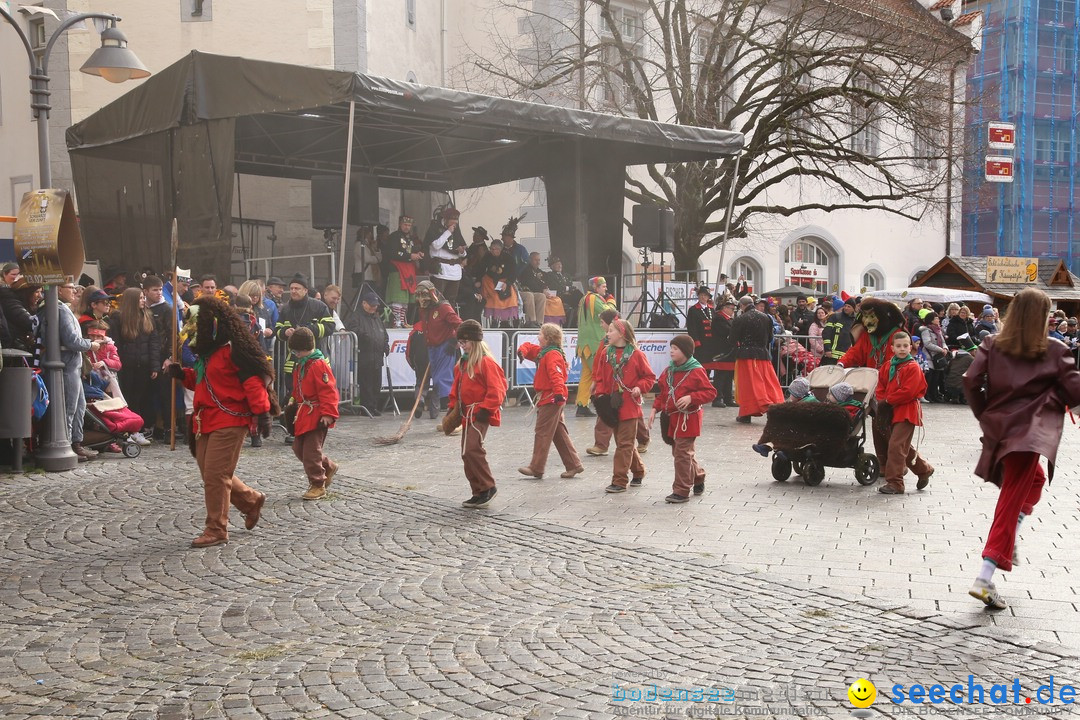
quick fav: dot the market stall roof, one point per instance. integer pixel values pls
(790, 291)
(931, 294)
(969, 273)
(292, 121)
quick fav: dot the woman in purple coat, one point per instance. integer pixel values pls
(1019, 387)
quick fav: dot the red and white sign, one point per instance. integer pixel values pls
(999, 169)
(1001, 136)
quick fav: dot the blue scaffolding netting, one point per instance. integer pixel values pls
(1026, 74)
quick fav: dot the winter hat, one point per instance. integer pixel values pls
(851, 301)
(685, 343)
(370, 297)
(799, 388)
(988, 312)
(842, 392)
(299, 279)
(470, 330)
(302, 339)
(924, 313)
(426, 286)
(837, 304)
(275, 281)
(97, 296)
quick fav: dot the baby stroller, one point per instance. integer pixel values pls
(807, 437)
(111, 421)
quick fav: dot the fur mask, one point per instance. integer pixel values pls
(879, 317)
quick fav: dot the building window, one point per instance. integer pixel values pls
(872, 280)
(630, 25)
(807, 264)
(922, 151)
(196, 10)
(748, 270)
(410, 14)
(38, 39)
(864, 133)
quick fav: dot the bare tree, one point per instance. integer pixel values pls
(843, 103)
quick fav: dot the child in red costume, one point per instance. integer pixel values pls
(316, 395)
(230, 381)
(901, 384)
(550, 386)
(684, 388)
(601, 432)
(624, 373)
(478, 392)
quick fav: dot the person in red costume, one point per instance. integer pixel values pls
(230, 379)
(550, 386)
(623, 376)
(440, 322)
(316, 396)
(684, 388)
(875, 325)
(901, 385)
(478, 392)
(602, 432)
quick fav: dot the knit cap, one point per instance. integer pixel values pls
(842, 392)
(799, 388)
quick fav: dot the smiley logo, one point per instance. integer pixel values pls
(862, 693)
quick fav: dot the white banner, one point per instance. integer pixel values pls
(656, 344)
(402, 376)
(681, 295)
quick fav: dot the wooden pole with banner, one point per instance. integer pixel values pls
(174, 241)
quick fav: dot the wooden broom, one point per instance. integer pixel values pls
(395, 439)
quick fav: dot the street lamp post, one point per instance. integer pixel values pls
(114, 62)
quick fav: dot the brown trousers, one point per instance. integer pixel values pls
(551, 427)
(627, 459)
(687, 470)
(217, 454)
(602, 433)
(903, 456)
(477, 470)
(308, 450)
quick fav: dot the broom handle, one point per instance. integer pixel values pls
(420, 390)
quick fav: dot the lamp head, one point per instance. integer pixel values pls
(113, 61)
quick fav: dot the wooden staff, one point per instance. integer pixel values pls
(174, 242)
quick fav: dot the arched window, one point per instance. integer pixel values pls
(807, 264)
(410, 77)
(872, 280)
(917, 276)
(748, 269)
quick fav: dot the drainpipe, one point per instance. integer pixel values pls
(949, 162)
(442, 40)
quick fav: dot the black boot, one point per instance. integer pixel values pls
(432, 405)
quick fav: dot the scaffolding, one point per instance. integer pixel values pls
(1026, 74)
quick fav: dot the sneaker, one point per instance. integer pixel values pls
(529, 472)
(596, 451)
(1016, 554)
(674, 498)
(699, 488)
(636, 481)
(485, 498)
(113, 448)
(473, 501)
(642, 448)
(314, 493)
(924, 480)
(572, 473)
(988, 593)
(744, 419)
(761, 449)
(613, 488)
(289, 439)
(139, 439)
(584, 411)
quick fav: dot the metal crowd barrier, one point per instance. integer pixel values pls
(792, 357)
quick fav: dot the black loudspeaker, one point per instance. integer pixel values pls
(326, 196)
(654, 228)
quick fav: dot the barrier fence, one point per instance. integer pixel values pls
(792, 356)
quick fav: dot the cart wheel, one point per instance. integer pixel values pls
(132, 450)
(867, 469)
(798, 466)
(813, 472)
(781, 468)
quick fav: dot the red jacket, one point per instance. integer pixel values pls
(440, 323)
(551, 372)
(486, 389)
(315, 390)
(636, 373)
(241, 398)
(903, 391)
(695, 383)
(106, 354)
(863, 354)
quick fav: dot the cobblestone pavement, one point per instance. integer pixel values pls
(388, 600)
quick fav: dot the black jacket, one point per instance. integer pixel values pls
(371, 336)
(532, 279)
(701, 325)
(753, 333)
(310, 313)
(142, 352)
(958, 327)
(20, 321)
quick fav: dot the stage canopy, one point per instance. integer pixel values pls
(171, 146)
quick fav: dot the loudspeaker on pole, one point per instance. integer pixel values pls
(326, 197)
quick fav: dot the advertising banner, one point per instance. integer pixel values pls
(654, 343)
(402, 376)
(48, 244)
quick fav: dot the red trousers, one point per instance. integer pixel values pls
(627, 459)
(308, 449)
(217, 454)
(602, 433)
(687, 470)
(1022, 481)
(477, 470)
(551, 427)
